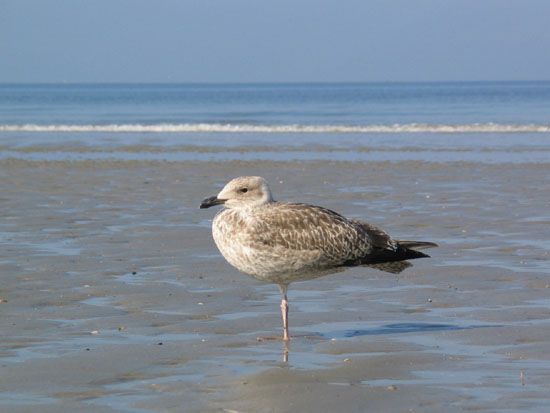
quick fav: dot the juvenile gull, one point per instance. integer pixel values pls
(282, 242)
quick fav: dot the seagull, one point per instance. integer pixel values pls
(280, 242)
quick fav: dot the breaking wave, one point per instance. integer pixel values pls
(250, 128)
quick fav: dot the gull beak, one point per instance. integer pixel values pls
(210, 202)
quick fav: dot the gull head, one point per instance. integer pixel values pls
(242, 192)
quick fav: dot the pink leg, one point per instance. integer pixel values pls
(284, 311)
(286, 350)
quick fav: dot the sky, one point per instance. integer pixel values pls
(273, 40)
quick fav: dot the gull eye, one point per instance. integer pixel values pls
(243, 190)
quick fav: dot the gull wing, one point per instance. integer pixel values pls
(337, 240)
(303, 227)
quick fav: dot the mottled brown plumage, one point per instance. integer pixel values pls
(284, 242)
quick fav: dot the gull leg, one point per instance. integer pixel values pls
(286, 350)
(284, 311)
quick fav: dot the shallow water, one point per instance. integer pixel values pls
(513, 148)
(115, 299)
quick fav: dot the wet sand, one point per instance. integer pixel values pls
(115, 299)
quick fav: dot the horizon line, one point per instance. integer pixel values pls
(206, 83)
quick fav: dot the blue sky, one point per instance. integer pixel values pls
(273, 41)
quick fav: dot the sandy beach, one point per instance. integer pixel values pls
(115, 299)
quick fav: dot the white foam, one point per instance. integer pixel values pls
(249, 128)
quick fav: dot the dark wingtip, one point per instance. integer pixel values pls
(417, 244)
(410, 254)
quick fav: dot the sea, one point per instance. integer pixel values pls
(434, 122)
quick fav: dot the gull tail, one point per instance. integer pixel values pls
(395, 261)
(393, 267)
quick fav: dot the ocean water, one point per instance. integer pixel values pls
(476, 121)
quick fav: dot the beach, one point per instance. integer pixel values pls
(122, 121)
(115, 299)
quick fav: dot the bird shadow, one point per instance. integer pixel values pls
(395, 328)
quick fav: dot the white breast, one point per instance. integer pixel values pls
(231, 230)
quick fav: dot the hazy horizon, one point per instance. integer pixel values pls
(244, 83)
